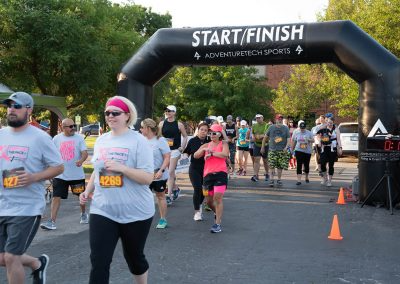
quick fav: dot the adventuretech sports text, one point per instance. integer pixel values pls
(243, 36)
(246, 53)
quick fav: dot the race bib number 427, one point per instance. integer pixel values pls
(10, 178)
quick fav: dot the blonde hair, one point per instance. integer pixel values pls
(148, 122)
(132, 109)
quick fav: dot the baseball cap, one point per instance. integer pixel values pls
(243, 122)
(259, 115)
(220, 118)
(302, 125)
(279, 116)
(329, 115)
(299, 122)
(21, 98)
(216, 128)
(229, 117)
(238, 118)
(171, 108)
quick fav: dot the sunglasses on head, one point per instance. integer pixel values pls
(16, 106)
(70, 126)
(114, 113)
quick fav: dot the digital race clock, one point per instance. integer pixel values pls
(383, 144)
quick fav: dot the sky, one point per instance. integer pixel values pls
(212, 13)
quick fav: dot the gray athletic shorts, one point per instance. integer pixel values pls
(17, 233)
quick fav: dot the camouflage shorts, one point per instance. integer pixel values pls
(278, 159)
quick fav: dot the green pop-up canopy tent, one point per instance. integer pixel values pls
(54, 104)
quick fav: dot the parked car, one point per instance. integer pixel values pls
(91, 129)
(349, 137)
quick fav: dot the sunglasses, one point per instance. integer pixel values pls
(169, 110)
(213, 133)
(70, 126)
(16, 106)
(114, 113)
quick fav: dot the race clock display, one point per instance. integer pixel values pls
(383, 144)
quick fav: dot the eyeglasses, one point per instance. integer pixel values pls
(16, 106)
(70, 126)
(114, 113)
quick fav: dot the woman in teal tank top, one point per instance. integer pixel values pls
(242, 144)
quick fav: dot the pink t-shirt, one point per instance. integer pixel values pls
(215, 164)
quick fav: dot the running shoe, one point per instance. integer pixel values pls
(254, 178)
(271, 183)
(323, 182)
(48, 225)
(39, 275)
(266, 177)
(198, 216)
(206, 207)
(175, 194)
(216, 228)
(239, 172)
(162, 224)
(84, 218)
(169, 200)
(234, 175)
(329, 184)
(243, 173)
(279, 182)
(298, 183)
(307, 181)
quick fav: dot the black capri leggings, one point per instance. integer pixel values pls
(103, 236)
(328, 157)
(196, 178)
(303, 159)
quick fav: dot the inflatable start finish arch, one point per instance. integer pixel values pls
(340, 42)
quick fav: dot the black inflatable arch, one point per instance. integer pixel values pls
(340, 42)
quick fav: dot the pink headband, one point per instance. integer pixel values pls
(118, 103)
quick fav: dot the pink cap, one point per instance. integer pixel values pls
(216, 128)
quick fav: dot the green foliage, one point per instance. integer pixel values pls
(379, 18)
(72, 49)
(201, 91)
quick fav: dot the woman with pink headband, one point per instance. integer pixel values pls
(122, 205)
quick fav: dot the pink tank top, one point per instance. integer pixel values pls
(215, 164)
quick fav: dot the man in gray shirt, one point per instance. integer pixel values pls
(72, 148)
(278, 137)
(28, 157)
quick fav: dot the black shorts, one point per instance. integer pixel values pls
(257, 152)
(215, 179)
(60, 187)
(17, 233)
(243, 148)
(158, 185)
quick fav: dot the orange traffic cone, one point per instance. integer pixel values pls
(341, 200)
(335, 230)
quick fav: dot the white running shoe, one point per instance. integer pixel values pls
(198, 216)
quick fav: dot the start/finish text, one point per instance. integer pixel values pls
(242, 36)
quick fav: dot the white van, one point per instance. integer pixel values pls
(349, 137)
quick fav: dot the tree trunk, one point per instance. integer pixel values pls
(53, 124)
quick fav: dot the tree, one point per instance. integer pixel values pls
(201, 91)
(376, 18)
(72, 49)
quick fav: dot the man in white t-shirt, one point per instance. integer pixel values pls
(72, 148)
(28, 157)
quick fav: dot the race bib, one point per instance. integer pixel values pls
(242, 142)
(325, 139)
(110, 179)
(10, 178)
(78, 188)
(278, 139)
(170, 142)
(303, 145)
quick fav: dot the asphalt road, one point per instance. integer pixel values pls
(269, 236)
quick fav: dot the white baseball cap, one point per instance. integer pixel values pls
(220, 118)
(171, 108)
(243, 122)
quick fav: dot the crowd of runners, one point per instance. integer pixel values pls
(125, 175)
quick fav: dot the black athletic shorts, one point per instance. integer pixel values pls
(158, 185)
(215, 179)
(60, 187)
